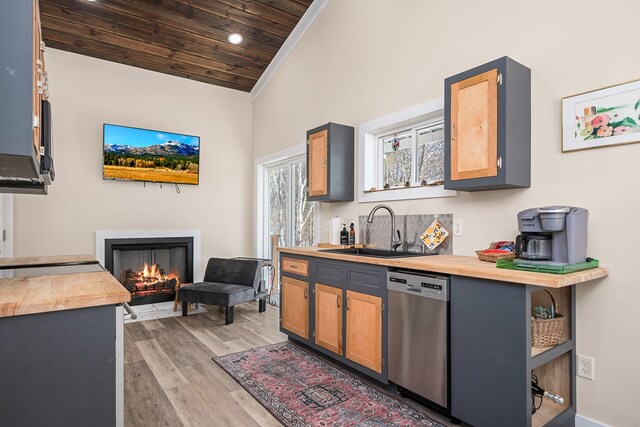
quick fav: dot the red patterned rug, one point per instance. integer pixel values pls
(301, 390)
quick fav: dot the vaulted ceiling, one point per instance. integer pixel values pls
(185, 38)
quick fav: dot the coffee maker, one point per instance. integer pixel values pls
(553, 234)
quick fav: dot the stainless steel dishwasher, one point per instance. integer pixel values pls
(419, 334)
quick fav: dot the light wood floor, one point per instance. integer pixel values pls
(170, 379)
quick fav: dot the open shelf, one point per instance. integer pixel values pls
(535, 351)
(555, 377)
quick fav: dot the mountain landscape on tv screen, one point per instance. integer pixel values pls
(171, 161)
(169, 148)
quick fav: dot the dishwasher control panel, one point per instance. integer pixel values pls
(419, 284)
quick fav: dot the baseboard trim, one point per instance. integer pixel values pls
(582, 421)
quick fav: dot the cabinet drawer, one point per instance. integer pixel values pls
(367, 279)
(329, 272)
(295, 266)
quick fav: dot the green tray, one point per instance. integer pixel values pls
(552, 269)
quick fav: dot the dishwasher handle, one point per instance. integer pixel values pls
(415, 289)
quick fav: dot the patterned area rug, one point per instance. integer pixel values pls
(301, 390)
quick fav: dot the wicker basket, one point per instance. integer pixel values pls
(494, 257)
(547, 332)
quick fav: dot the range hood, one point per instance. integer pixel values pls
(21, 170)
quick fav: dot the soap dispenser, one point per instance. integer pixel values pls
(344, 235)
(352, 235)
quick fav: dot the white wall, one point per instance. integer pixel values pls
(86, 93)
(363, 59)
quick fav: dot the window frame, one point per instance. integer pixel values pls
(413, 130)
(370, 154)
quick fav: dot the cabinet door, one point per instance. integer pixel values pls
(295, 306)
(474, 126)
(318, 144)
(364, 330)
(38, 77)
(328, 329)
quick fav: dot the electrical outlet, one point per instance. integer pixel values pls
(586, 367)
(458, 227)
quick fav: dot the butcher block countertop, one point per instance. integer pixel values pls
(461, 266)
(58, 288)
(36, 261)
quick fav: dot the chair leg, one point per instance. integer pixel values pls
(185, 308)
(262, 305)
(228, 318)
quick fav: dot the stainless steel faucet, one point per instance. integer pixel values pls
(394, 243)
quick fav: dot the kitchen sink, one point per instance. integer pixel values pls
(379, 253)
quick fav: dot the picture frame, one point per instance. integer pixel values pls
(601, 118)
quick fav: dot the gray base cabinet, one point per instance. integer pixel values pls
(488, 127)
(367, 281)
(62, 368)
(492, 359)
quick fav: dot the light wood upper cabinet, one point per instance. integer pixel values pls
(330, 163)
(328, 319)
(295, 306)
(364, 330)
(488, 127)
(318, 183)
(474, 126)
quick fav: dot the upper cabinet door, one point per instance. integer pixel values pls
(474, 126)
(488, 127)
(318, 151)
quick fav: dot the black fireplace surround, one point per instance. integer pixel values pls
(125, 259)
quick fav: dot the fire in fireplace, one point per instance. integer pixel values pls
(149, 281)
(150, 268)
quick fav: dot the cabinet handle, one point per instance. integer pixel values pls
(324, 163)
(306, 293)
(347, 303)
(453, 131)
(338, 301)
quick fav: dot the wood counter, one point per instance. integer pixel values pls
(461, 266)
(35, 261)
(56, 292)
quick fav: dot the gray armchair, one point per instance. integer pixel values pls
(227, 282)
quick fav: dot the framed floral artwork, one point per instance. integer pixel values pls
(608, 116)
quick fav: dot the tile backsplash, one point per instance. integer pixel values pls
(378, 233)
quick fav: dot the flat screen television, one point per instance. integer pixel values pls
(132, 154)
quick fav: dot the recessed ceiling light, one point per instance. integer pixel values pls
(235, 38)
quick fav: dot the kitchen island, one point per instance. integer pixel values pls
(491, 358)
(61, 324)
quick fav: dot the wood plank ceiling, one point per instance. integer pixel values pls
(185, 38)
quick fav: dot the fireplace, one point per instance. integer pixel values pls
(150, 267)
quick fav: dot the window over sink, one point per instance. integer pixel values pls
(401, 156)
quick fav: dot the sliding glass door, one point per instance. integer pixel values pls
(289, 217)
